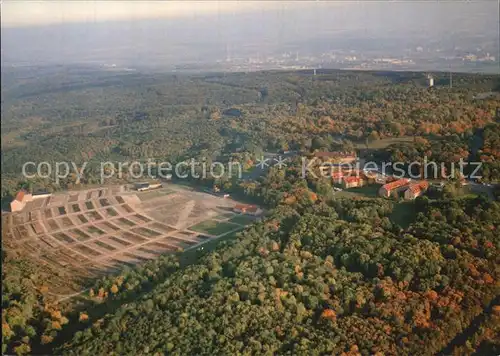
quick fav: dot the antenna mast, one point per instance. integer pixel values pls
(451, 78)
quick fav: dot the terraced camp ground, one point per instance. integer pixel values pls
(96, 231)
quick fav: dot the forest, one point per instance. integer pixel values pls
(320, 273)
(317, 275)
(321, 276)
(87, 115)
(489, 153)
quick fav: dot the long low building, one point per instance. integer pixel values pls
(141, 187)
(247, 209)
(416, 189)
(23, 197)
(352, 182)
(20, 200)
(387, 189)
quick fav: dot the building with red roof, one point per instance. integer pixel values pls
(20, 200)
(20, 195)
(387, 189)
(416, 189)
(352, 182)
(337, 177)
(247, 209)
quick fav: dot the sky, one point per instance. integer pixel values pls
(21, 13)
(171, 32)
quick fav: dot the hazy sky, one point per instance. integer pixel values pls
(19, 13)
(142, 32)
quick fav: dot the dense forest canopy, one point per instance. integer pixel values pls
(331, 276)
(86, 115)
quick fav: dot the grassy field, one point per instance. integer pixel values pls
(467, 192)
(383, 143)
(213, 227)
(242, 219)
(368, 191)
(225, 216)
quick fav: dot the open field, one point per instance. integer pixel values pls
(93, 232)
(368, 191)
(144, 196)
(213, 227)
(383, 143)
(242, 219)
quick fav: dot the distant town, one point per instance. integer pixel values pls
(417, 58)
